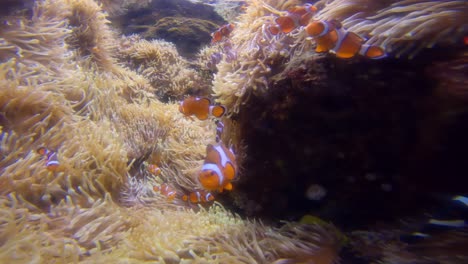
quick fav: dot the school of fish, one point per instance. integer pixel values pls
(219, 168)
(329, 36)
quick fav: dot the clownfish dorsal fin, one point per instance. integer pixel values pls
(212, 155)
(228, 186)
(205, 100)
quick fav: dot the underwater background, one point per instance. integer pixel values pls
(227, 131)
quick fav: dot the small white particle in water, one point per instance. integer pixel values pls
(315, 192)
(386, 187)
(371, 176)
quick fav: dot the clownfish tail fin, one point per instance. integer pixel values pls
(217, 110)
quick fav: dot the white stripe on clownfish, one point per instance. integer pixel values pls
(207, 196)
(215, 168)
(326, 29)
(52, 159)
(222, 154)
(341, 36)
(219, 130)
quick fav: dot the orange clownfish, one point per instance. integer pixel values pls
(198, 197)
(166, 190)
(154, 169)
(222, 32)
(52, 162)
(330, 36)
(219, 168)
(201, 108)
(296, 16)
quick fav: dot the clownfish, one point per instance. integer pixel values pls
(154, 169)
(330, 36)
(219, 168)
(201, 108)
(296, 16)
(166, 190)
(222, 32)
(452, 215)
(52, 162)
(198, 197)
(219, 130)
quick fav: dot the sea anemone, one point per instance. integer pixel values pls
(160, 63)
(404, 27)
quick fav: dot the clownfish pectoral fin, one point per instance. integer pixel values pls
(372, 52)
(217, 110)
(228, 186)
(229, 171)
